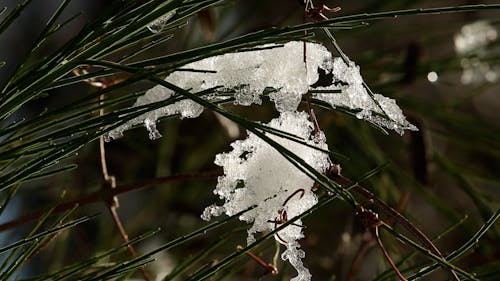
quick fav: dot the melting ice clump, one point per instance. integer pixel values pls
(282, 68)
(376, 109)
(255, 174)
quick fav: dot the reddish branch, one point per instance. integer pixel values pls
(316, 14)
(110, 181)
(393, 214)
(386, 254)
(270, 268)
(358, 259)
(102, 194)
(373, 240)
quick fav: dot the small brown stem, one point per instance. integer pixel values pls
(271, 268)
(300, 190)
(312, 115)
(360, 255)
(112, 201)
(308, 96)
(102, 154)
(402, 203)
(371, 221)
(123, 234)
(102, 148)
(396, 216)
(99, 195)
(281, 240)
(304, 19)
(386, 254)
(112, 204)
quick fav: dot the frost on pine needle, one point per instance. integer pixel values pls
(161, 23)
(294, 255)
(255, 174)
(249, 73)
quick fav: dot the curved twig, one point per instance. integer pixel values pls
(395, 215)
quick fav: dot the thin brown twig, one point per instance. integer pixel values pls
(98, 196)
(304, 19)
(358, 259)
(372, 240)
(400, 207)
(110, 184)
(123, 233)
(109, 181)
(312, 115)
(371, 222)
(395, 215)
(316, 15)
(386, 254)
(271, 268)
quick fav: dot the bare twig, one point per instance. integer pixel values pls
(316, 14)
(371, 222)
(358, 259)
(393, 214)
(372, 240)
(386, 254)
(110, 184)
(312, 115)
(271, 268)
(98, 196)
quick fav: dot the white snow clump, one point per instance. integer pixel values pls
(282, 68)
(255, 174)
(378, 109)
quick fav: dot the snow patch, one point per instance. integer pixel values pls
(248, 74)
(255, 174)
(379, 110)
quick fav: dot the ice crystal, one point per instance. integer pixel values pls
(249, 73)
(376, 109)
(160, 24)
(255, 174)
(294, 255)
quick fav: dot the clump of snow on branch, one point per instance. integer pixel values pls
(247, 74)
(376, 109)
(184, 108)
(256, 174)
(472, 43)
